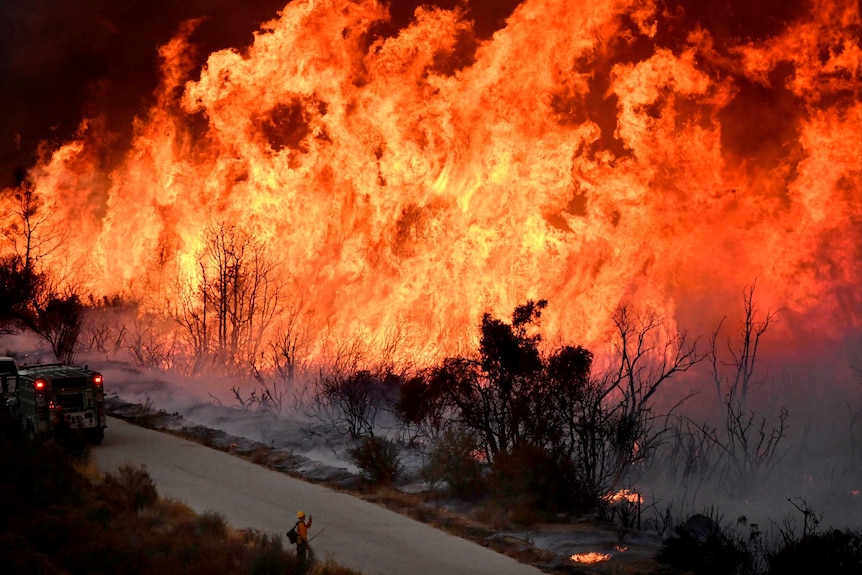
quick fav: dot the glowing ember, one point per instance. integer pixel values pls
(408, 183)
(624, 495)
(591, 557)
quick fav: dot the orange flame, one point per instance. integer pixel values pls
(624, 495)
(590, 557)
(575, 156)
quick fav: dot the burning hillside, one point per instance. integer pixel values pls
(398, 178)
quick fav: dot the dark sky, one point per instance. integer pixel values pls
(63, 60)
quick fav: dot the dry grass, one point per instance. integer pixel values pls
(329, 567)
(88, 468)
(493, 514)
(173, 511)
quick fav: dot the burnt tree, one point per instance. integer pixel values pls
(227, 308)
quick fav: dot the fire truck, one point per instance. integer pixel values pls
(49, 395)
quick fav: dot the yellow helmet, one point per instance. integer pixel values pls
(300, 515)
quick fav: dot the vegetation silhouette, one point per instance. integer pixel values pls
(55, 519)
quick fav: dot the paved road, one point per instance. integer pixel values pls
(358, 534)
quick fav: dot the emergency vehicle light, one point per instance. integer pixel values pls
(39, 384)
(97, 379)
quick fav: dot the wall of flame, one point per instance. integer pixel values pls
(587, 153)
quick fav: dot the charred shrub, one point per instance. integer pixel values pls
(453, 461)
(423, 406)
(531, 478)
(57, 318)
(20, 285)
(377, 458)
(350, 400)
(699, 545)
(836, 552)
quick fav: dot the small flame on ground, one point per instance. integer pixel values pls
(624, 494)
(621, 548)
(591, 557)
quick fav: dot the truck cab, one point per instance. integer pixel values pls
(51, 395)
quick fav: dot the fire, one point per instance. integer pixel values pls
(624, 495)
(590, 557)
(409, 183)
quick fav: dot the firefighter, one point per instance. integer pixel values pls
(302, 527)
